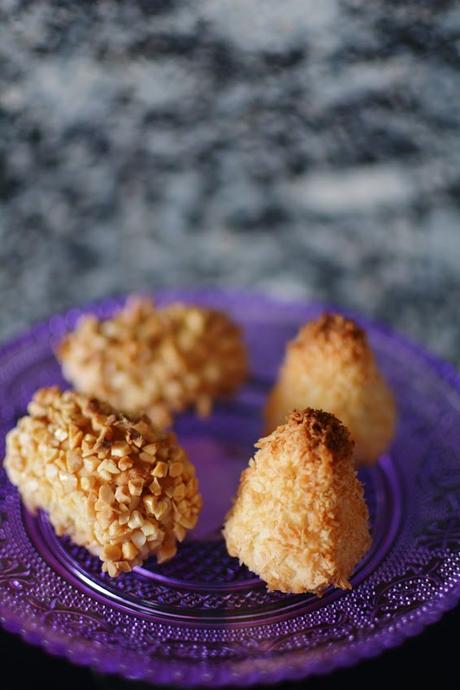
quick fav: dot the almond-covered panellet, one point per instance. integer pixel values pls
(330, 366)
(119, 487)
(156, 361)
(299, 519)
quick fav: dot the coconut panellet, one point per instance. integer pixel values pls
(299, 519)
(156, 361)
(330, 366)
(120, 487)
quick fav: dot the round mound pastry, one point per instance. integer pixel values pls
(156, 361)
(330, 366)
(122, 488)
(299, 519)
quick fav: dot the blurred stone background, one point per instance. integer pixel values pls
(310, 149)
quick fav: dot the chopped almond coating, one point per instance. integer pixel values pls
(82, 462)
(156, 361)
(299, 519)
(330, 366)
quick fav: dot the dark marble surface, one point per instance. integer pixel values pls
(302, 147)
(308, 148)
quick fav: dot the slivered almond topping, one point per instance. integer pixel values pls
(159, 361)
(160, 469)
(79, 460)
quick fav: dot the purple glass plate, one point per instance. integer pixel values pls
(202, 619)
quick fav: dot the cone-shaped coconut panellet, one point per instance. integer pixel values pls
(119, 487)
(330, 366)
(299, 519)
(156, 361)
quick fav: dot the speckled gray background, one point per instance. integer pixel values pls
(301, 147)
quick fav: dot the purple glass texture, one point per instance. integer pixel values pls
(202, 619)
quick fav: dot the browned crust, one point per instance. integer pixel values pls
(323, 429)
(335, 332)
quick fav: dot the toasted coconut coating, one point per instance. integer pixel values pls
(156, 361)
(299, 519)
(330, 365)
(119, 487)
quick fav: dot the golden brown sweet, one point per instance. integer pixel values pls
(299, 519)
(121, 488)
(156, 361)
(330, 366)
